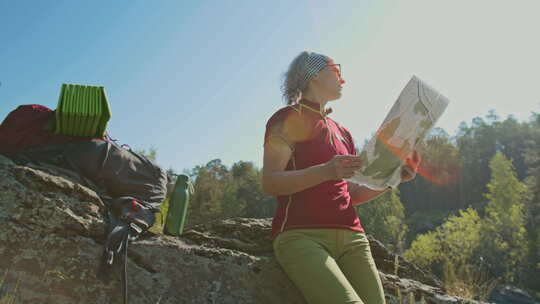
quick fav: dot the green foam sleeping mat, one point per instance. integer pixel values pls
(82, 111)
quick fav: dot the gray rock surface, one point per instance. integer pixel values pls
(51, 239)
(511, 294)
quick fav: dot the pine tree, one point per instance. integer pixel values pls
(504, 233)
(532, 206)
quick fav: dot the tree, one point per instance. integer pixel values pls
(249, 192)
(383, 218)
(453, 251)
(532, 206)
(425, 250)
(457, 242)
(504, 234)
(436, 184)
(461, 237)
(150, 154)
(480, 142)
(242, 190)
(210, 183)
(435, 192)
(221, 193)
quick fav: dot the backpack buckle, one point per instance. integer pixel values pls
(135, 227)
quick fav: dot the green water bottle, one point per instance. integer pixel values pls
(178, 206)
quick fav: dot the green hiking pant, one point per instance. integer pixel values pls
(330, 266)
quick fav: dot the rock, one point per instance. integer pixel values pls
(51, 241)
(504, 294)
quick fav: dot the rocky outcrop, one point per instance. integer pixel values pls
(511, 294)
(51, 242)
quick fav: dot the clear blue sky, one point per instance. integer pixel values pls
(197, 80)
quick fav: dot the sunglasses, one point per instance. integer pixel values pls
(338, 67)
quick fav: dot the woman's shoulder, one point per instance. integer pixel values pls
(283, 114)
(290, 123)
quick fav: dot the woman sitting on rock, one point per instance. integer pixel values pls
(318, 239)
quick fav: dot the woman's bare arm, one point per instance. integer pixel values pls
(277, 181)
(362, 194)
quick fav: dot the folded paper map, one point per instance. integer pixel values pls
(412, 116)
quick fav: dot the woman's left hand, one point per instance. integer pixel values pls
(409, 170)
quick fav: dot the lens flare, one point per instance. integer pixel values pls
(440, 173)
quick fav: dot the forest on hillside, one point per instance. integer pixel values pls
(472, 215)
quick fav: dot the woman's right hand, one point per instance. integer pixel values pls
(343, 166)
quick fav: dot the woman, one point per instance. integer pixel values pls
(318, 239)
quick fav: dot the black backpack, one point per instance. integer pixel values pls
(131, 185)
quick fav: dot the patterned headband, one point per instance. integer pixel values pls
(312, 65)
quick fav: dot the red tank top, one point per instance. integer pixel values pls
(315, 139)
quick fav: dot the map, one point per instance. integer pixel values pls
(412, 116)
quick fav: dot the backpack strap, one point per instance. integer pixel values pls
(128, 218)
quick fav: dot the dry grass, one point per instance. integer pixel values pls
(469, 282)
(410, 299)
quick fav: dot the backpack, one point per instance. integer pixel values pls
(31, 126)
(130, 184)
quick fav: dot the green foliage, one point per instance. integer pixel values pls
(221, 192)
(425, 250)
(455, 241)
(504, 234)
(455, 245)
(161, 216)
(532, 207)
(436, 186)
(498, 173)
(480, 142)
(150, 154)
(434, 193)
(499, 238)
(454, 172)
(383, 218)
(423, 221)
(210, 186)
(504, 189)
(461, 236)
(249, 195)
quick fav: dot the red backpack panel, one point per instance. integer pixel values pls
(30, 126)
